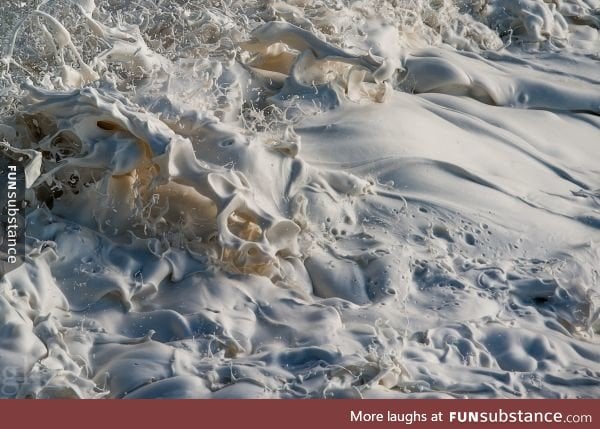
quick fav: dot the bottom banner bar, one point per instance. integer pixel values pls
(290, 414)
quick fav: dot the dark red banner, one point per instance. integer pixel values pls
(290, 414)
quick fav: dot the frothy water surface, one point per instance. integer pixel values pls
(303, 199)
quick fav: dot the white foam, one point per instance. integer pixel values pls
(304, 199)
